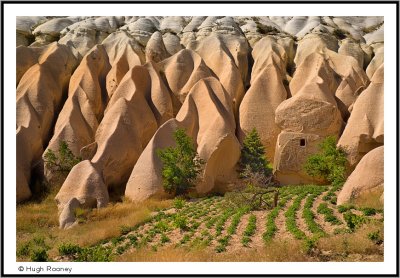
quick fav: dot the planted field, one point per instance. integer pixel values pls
(303, 220)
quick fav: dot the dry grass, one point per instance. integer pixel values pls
(277, 251)
(370, 199)
(354, 243)
(41, 220)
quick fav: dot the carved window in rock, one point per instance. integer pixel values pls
(302, 142)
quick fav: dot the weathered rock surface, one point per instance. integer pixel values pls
(257, 109)
(367, 178)
(26, 58)
(207, 116)
(182, 71)
(82, 112)
(39, 99)
(305, 119)
(364, 130)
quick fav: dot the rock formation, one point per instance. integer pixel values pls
(367, 178)
(305, 119)
(39, 99)
(364, 130)
(207, 116)
(115, 88)
(82, 112)
(266, 92)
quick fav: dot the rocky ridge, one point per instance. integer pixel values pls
(116, 88)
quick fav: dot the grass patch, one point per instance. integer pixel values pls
(41, 220)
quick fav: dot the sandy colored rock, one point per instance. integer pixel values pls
(349, 47)
(172, 43)
(84, 187)
(182, 71)
(305, 119)
(367, 178)
(155, 48)
(364, 130)
(39, 98)
(314, 43)
(377, 61)
(106, 24)
(313, 108)
(292, 150)
(299, 26)
(352, 82)
(194, 24)
(126, 128)
(84, 108)
(257, 109)
(124, 53)
(377, 36)
(138, 106)
(226, 56)
(83, 35)
(24, 26)
(174, 24)
(50, 30)
(82, 40)
(142, 29)
(27, 57)
(67, 215)
(207, 117)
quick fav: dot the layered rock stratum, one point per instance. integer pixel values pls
(115, 88)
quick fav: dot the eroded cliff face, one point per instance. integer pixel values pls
(116, 88)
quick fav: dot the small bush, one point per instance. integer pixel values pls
(179, 203)
(339, 34)
(61, 161)
(161, 226)
(133, 240)
(368, 211)
(309, 245)
(36, 249)
(375, 237)
(39, 255)
(181, 164)
(245, 241)
(23, 250)
(353, 221)
(329, 163)
(125, 229)
(344, 208)
(265, 29)
(181, 222)
(185, 239)
(164, 239)
(251, 226)
(67, 249)
(95, 254)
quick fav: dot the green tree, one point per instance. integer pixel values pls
(181, 164)
(253, 156)
(61, 161)
(259, 192)
(329, 163)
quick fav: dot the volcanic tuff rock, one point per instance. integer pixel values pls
(364, 130)
(116, 88)
(40, 95)
(207, 116)
(267, 91)
(367, 178)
